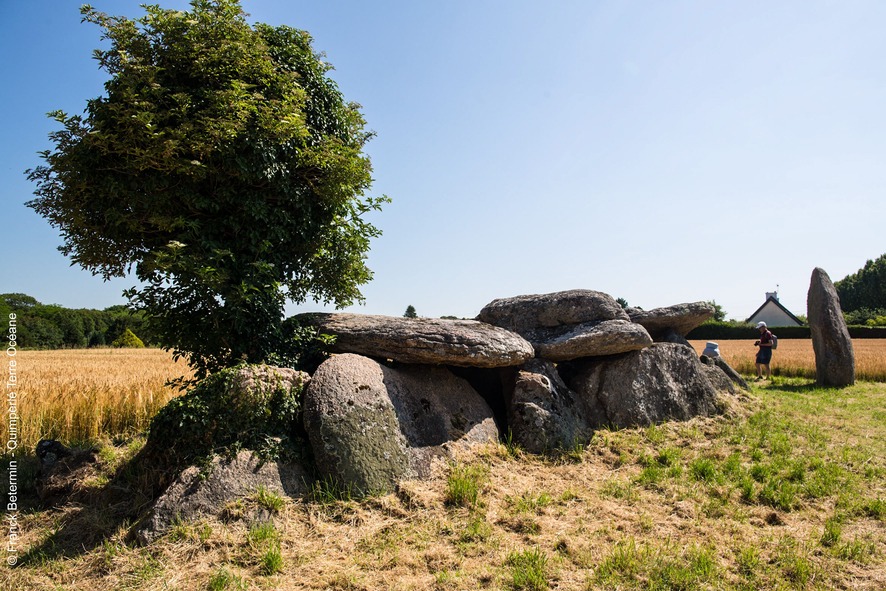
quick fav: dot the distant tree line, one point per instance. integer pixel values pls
(863, 294)
(49, 326)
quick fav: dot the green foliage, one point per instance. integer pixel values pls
(269, 500)
(225, 166)
(864, 289)
(529, 570)
(264, 539)
(128, 340)
(43, 326)
(866, 316)
(719, 312)
(463, 485)
(410, 312)
(222, 579)
(224, 413)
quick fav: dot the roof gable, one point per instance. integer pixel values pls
(780, 307)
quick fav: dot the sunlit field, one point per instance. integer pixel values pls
(795, 358)
(82, 396)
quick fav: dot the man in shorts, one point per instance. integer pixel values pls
(764, 355)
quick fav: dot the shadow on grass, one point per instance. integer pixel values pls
(88, 508)
(796, 385)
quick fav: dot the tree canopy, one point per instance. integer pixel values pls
(49, 326)
(863, 293)
(222, 164)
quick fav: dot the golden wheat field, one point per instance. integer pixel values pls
(795, 358)
(83, 395)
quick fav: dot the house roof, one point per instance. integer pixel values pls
(777, 303)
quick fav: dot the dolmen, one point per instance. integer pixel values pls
(549, 369)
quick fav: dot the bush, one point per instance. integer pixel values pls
(128, 340)
(729, 330)
(244, 407)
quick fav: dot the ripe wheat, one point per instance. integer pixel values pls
(795, 357)
(82, 396)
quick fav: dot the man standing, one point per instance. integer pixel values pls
(764, 355)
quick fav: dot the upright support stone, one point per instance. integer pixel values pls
(834, 356)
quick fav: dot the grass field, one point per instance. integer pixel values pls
(787, 492)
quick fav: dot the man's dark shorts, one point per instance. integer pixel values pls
(764, 355)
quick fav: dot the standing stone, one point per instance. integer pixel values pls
(834, 356)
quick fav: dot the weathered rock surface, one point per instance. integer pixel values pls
(834, 355)
(195, 494)
(544, 414)
(430, 341)
(680, 318)
(527, 312)
(727, 370)
(717, 376)
(589, 339)
(370, 425)
(661, 382)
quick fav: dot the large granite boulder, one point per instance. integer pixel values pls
(680, 318)
(727, 370)
(544, 414)
(589, 339)
(662, 382)
(527, 312)
(718, 378)
(834, 355)
(466, 343)
(201, 491)
(371, 425)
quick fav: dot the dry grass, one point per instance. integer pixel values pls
(795, 358)
(790, 493)
(787, 493)
(82, 396)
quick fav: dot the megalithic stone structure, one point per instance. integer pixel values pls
(834, 356)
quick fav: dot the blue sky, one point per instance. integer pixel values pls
(663, 152)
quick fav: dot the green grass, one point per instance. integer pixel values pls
(269, 500)
(223, 580)
(786, 494)
(528, 570)
(463, 485)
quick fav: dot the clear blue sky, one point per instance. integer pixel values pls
(663, 152)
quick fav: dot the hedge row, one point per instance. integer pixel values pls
(725, 331)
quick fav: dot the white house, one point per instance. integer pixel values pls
(773, 313)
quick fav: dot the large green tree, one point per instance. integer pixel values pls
(225, 167)
(864, 289)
